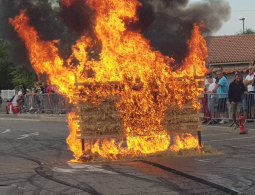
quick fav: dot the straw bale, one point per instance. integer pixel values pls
(184, 120)
(104, 120)
(100, 120)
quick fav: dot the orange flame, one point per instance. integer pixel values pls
(128, 58)
(44, 56)
(197, 52)
(186, 141)
(75, 144)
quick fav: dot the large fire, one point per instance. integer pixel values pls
(127, 58)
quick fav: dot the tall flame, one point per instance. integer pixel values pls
(128, 58)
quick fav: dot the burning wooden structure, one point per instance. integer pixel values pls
(149, 100)
(100, 121)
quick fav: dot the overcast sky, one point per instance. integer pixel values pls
(240, 9)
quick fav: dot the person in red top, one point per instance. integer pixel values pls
(48, 89)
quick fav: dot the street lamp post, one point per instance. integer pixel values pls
(243, 19)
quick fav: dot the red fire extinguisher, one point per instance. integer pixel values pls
(241, 124)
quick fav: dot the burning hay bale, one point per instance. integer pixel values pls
(185, 120)
(101, 120)
(151, 100)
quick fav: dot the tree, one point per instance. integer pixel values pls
(21, 74)
(5, 66)
(246, 32)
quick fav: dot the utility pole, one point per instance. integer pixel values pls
(243, 19)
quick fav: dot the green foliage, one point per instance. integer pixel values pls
(11, 76)
(21, 74)
(246, 31)
(5, 66)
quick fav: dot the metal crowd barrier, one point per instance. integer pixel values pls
(216, 107)
(51, 103)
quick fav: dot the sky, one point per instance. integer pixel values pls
(240, 9)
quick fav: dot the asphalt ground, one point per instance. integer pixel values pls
(34, 161)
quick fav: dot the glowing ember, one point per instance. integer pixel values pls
(148, 83)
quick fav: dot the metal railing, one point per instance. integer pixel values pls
(216, 107)
(51, 103)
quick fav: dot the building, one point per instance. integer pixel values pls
(233, 53)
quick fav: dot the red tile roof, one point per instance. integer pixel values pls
(235, 48)
(232, 70)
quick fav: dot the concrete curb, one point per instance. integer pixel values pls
(33, 117)
(53, 118)
(220, 129)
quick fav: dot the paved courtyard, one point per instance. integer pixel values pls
(34, 161)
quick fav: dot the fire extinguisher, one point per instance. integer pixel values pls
(241, 124)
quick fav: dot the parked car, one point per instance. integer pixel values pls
(12, 106)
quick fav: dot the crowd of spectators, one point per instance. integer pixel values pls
(33, 95)
(223, 100)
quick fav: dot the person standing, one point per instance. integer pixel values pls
(21, 96)
(222, 88)
(44, 87)
(249, 82)
(236, 95)
(217, 78)
(211, 98)
(207, 114)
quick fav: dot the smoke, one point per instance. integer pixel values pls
(174, 20)
(77, 16)
(44, 16)
(212, 12)
(146, 16)
(166, 23)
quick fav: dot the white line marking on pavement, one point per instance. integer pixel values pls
(90, 168)
(27, 135)
(205, 160)
(220, 140)
(59, 170)
(21, 119)
(6, 131)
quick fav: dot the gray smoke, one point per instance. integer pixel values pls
(44, 16)
(212, 12)
(166, 23)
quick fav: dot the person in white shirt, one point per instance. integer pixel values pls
(207, 83)
(250, 83)
(205, 102)
(212, 99)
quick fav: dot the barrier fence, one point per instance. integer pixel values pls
(214, 107)
(51, 103)
(217, 108)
